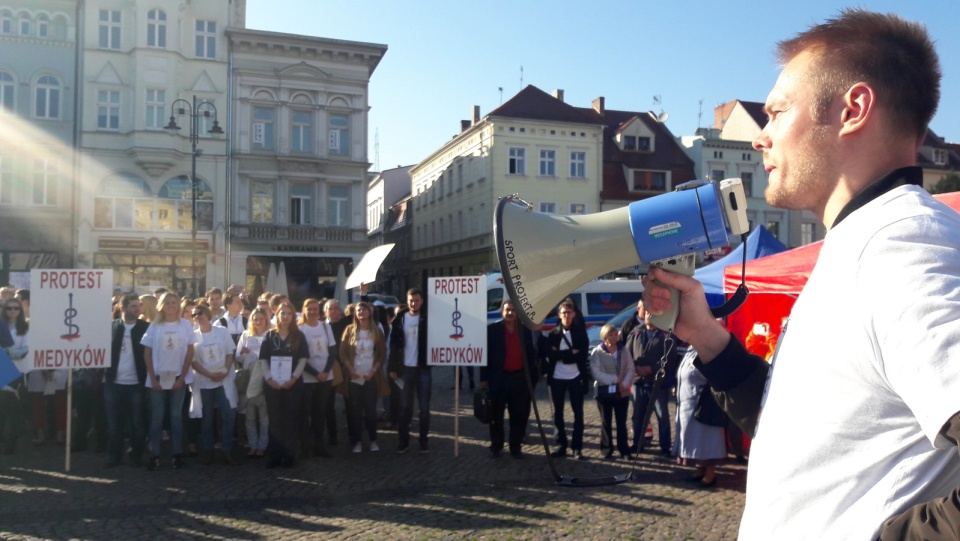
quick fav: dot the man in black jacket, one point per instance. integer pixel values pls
(123, 390)
(408, 367)
(504, 378)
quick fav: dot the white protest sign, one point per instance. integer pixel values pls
(457, 321)
(70, 318)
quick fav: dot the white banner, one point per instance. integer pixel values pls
(70, 318)
(457, 321)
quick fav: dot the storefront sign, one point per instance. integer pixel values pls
(121, 244)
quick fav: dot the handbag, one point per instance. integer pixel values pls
(708, 411)
(482, 406)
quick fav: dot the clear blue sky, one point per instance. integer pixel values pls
(445, 56)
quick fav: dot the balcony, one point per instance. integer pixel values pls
(298, 233)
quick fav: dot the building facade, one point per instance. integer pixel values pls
(298, 178)
(37, 134)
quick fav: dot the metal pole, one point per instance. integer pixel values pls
(193, 195)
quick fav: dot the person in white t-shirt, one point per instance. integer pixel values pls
(168, 352)
(318, 389)
(250, 383)
(233, 319)
(123, 393)
(408, 367)
(363, 352)
(213, 364)
(857, 416)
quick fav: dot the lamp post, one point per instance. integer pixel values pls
(196, 110)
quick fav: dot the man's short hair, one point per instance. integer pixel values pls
(894, 56)
(229, 297)
(159, 291)
(214, 291)
(415, 291)
(23, 294)
(128, 298)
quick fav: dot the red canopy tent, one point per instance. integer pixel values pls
(776, 281)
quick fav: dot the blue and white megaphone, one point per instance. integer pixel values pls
(544, 257)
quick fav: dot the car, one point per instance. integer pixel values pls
(593, 333)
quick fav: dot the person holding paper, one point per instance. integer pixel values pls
(284, 355)
(318, 390)
(363, 352)
(213, 363)
(167, 352)
(250, 383)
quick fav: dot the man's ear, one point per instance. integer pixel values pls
(859, 102)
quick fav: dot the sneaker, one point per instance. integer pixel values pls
(374, 447)
(423, 448)
(401, 449)
(358, 447)
(178, 461)
(153, 463)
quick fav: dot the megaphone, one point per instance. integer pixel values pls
(543, 257)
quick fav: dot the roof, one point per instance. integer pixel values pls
(533, 103)
(753, 108)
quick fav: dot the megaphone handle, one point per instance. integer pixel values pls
(685, 265)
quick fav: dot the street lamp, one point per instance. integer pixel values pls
(196, 110)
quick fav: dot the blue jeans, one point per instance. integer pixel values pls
(124, 407)
(419, 381)
(208, 398)
(558, 388)
(641, 400)
(173, 401)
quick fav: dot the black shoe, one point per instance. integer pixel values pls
(712, 483)
(153, 464)
(741, 459)
(579, 455)
(517, 455)
(424, 449)
(402, 448)
(626, 456)
(178, 461)
(495, 453)
(136, 461)
(666, 452)
(609, 455)
(559, 453)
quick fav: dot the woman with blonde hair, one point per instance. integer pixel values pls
(148, 307)
(611, 365)
(250, 382)
(363, 351)
(318, 389)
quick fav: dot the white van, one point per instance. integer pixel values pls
(599, 300)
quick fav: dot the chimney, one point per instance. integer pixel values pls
(598, 105)
(558, 93)
(464, 125)
(476, 114)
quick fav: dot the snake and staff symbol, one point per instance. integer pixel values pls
(73, 331)
(455, 320)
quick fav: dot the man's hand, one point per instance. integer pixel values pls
(695, 323)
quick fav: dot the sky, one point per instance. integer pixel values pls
(445, 56)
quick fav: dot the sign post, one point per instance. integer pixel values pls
(70, 327)
(457, 330)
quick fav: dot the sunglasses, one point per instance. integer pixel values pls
(197, 314)
(12, 308)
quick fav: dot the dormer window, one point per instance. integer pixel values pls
(940, 156)
(636, 143)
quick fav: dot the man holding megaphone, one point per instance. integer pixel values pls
(859, 430)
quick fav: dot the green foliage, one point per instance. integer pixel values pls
(949, 183)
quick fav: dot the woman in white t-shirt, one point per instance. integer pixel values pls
(318, 389)
(362, 353)
(212, 364)
(168, 352)
(10, 421)
(250, 382)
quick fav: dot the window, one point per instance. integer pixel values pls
(338, 206)
(548, 163)
(301, 132)
(156, 109)
(123, 202)
(24, 24)
(206, 39)
(175, 205)
(6, 23)
(300, 208)
(548, 208)
(747, 157)
(439, 185)
(261, 202)
(459, 176)
(643, 143)
(443, 232)
(939, 156)
(517, 164)
(108, 110)
(578, 208)
(807, 232)
(43, 26)
(6, 180)
(718, 154)
(773, 226)
(578, 164)
(718, 175)
(338, 135)
(109, 29)
(649, 181)
(157, 28)
(45, 188)
(450, 182)
(7, 87)
(629, 142)
(263, 119)
(747, 180)
(48, 98)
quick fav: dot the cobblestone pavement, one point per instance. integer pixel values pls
(371, 495)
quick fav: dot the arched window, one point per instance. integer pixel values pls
(48, 98)
(157, 28)
(43, 26)
(175, 205)
(7, 87)
(123, 201)
(25, 23)
(6, 22)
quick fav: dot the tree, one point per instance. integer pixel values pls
(949, 183)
